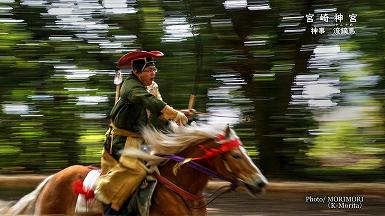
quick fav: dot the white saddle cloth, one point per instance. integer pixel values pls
(90, 205)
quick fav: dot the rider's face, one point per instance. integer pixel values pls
(147, 75)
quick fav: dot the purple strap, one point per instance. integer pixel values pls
(198, 167)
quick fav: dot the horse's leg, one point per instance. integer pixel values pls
(58, 196)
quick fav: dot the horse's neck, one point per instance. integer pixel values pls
(187, 178)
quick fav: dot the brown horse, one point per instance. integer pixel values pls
(219, 151)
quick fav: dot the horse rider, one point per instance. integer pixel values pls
(139, 98)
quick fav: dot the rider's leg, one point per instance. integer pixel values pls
(122, 180)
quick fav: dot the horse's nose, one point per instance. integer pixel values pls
(261, 184)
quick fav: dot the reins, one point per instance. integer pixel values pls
(185, 194)
(177, 189)
(230, 188)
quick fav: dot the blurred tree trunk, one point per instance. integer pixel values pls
(271, 97)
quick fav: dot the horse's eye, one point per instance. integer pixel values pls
(236, 156)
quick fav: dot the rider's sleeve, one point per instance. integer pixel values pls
(140, 95)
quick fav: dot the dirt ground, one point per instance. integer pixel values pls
(302, 198)
(287, 203)
(281, 198)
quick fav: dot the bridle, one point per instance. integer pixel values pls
(224, 145)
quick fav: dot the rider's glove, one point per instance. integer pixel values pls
(171, 113)
(189, 113)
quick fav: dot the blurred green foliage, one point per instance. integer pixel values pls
(58, 60)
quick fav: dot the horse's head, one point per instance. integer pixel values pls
(213, 152)
(232, 161)
(235, 163)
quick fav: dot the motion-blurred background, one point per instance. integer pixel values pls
(307, 103)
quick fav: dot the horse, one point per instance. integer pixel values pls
(193, 155)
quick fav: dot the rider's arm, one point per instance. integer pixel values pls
(140, 95)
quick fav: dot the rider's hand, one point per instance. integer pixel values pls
(189, 113)
(181, 118)
(170, 113)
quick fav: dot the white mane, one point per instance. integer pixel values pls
(178, 139)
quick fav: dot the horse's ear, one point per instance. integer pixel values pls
(227, 131)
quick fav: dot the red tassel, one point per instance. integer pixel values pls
(79, 189)
(78, 186)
